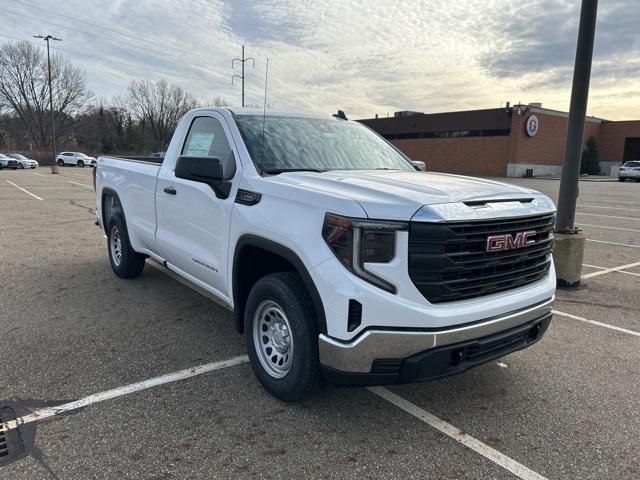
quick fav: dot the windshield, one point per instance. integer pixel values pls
(631, 164)
(81, 155)
(298, 143)
(18, 156)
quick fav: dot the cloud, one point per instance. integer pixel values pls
(363, 57)
(541, 36)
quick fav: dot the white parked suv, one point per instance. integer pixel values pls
(23, 161)
(74, 158)
(338, 256)
(8, 162)
(629, 171)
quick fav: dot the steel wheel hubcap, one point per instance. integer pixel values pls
(273, 339)
(115, 242)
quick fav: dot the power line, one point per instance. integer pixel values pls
(105, 38)
(102, 60)
(254, 93)
(141, 39)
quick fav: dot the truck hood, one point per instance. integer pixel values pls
(398, 195)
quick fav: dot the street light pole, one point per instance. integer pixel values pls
(569, 242)
(46, 38)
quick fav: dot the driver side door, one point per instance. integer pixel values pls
(193, 223)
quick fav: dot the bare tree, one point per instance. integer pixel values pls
(217, 102)
(159, 105)
(24, 90)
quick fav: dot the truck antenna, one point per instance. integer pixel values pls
(264, 111)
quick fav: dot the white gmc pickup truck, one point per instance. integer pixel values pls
(338, 256)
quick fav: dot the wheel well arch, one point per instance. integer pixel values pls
(110, 203)
(255, 257)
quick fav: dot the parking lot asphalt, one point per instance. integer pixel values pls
(565, 408)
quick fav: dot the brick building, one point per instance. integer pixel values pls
(513, 141)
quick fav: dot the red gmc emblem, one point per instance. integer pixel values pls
(498, 243)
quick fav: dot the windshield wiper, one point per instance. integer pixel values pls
(276, 171)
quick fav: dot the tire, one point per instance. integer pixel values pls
(60, 162)
(80, 163)
(279, 302)
(124, 261)
(21, 167)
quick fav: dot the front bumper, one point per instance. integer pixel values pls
(400, 356)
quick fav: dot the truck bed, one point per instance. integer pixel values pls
(134, 178)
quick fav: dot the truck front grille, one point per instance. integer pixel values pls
(449, 261)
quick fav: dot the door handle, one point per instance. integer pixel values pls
(170, 190)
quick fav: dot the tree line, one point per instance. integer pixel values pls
(138, 122)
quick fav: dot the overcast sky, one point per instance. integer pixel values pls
(363, 57)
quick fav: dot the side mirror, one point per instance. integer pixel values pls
(421, 165)
(207, 170)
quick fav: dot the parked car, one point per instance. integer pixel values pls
(74, 158)
(629, 171)
(23, 161)
(158, 154)
(338, 256)
(8, 162)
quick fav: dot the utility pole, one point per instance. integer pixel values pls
(569, 242)
(46, 38)
(242, 61)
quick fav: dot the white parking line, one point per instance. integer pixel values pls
(604, 268)
(458, 435)
(25, 191)
(126, 390)
(600, 324)
(626, 209)
(607, 216)
(610, 228)
(81, 184)
(612, 243)
(618, 201)
(609, 270)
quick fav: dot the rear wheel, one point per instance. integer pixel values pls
(281, 336)
(124, 261)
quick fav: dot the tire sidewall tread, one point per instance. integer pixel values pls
(289, 292)
(132, 263)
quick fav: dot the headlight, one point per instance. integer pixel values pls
(356, 242)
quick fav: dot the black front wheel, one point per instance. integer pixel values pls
(282, 336)
(60, 163)
(125, 262)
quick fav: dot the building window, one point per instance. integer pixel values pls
(448, 134)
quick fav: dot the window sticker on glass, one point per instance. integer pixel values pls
(199, 144)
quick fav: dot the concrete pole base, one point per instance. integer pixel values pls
(568, 252)
(55, 169)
